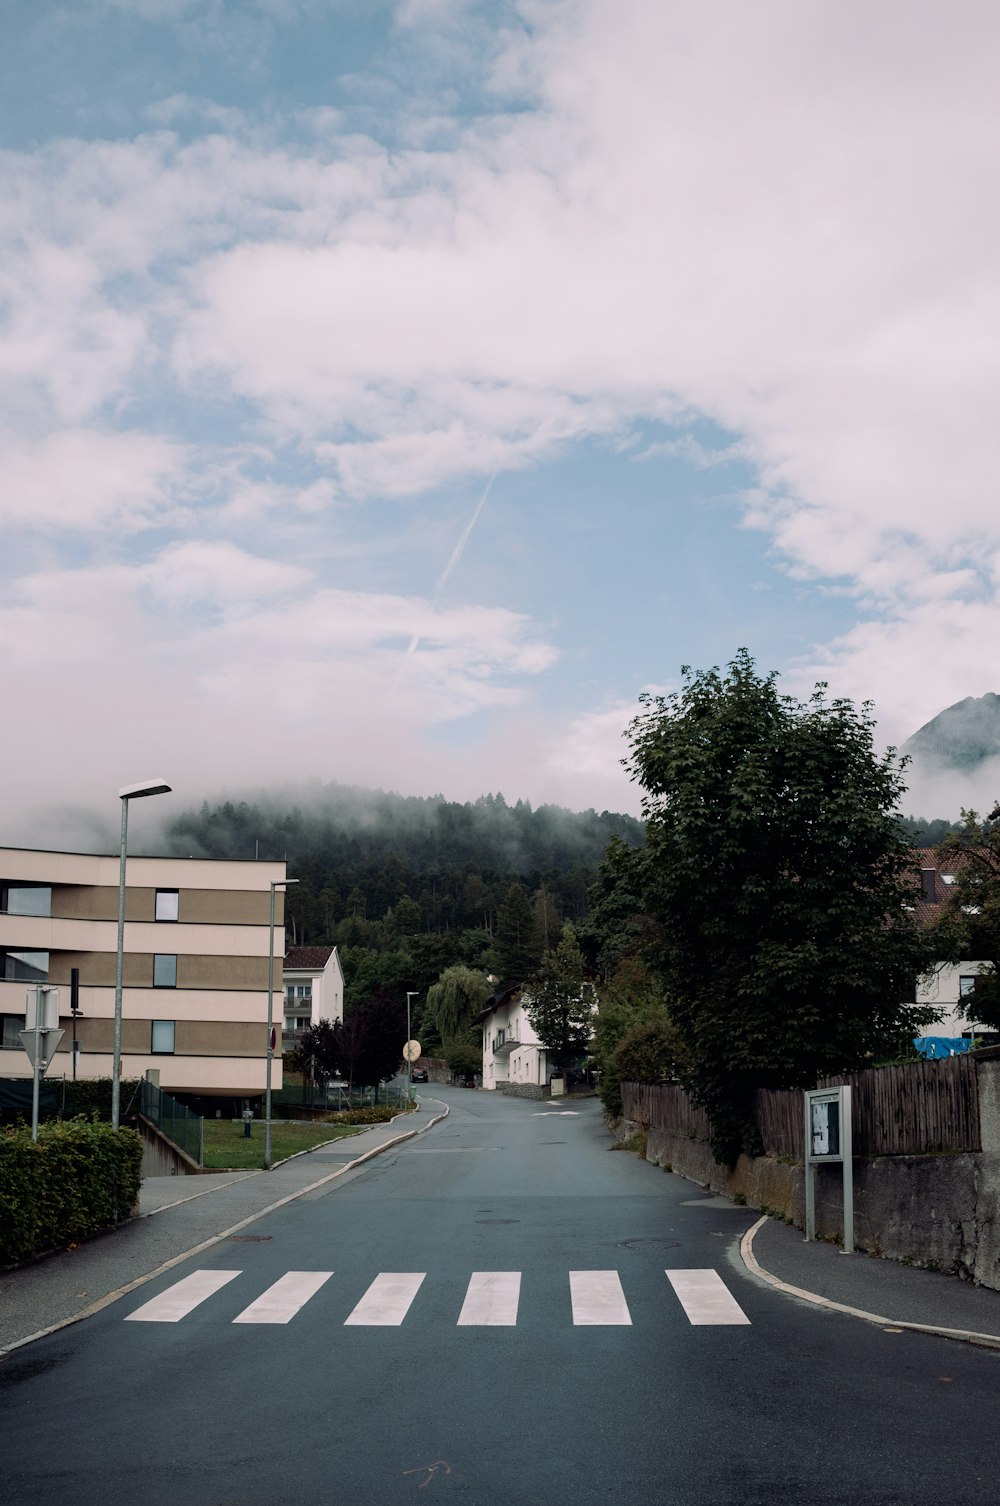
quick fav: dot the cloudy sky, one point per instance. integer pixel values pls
(393, 389)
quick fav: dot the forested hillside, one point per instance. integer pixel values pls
(407, 886)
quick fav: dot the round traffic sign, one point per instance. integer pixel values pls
(411, 1051)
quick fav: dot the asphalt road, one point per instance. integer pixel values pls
(463, 1349)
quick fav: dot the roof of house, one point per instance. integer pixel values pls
(314, 957)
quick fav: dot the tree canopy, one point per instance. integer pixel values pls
(561, 1005)
(778, 885)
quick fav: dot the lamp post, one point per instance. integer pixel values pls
(409, 1063)
(275, 884)
(127, 793)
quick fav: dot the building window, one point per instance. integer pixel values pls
(164, 970)
(163, 1038)
(11, 1026)
(24, 967)
(166, 904)
(295, 991)
(965, 987)
(26, 899)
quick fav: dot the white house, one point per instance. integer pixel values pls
(948, 984)
(946, 988)
(314, 989)
(513, 1058)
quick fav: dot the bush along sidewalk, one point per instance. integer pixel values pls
(74, 1181)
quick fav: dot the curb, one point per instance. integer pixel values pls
(206, 1244)
(966, 1336)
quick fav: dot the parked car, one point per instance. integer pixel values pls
(419, 1074)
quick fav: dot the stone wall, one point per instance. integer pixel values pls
(522, 1090)
(938, 1211)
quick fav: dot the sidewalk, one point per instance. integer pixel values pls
(177, 1217)
(881, 1291)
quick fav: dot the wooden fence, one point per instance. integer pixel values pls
(918, 1108)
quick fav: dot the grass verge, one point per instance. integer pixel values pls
(227, 1149)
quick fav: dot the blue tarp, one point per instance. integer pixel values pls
(934, 1047)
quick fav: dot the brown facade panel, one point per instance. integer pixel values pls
(97, 970)
(218, 1038)
(248, 973)
(229, 907)
(206, 907)
(99, 1035)
(86, 902)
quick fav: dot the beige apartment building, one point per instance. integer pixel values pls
(195, 974)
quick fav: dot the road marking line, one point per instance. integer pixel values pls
(282, 1301)
(387, 1301)
(598, 1299)
(491, 1300)
(181, 1298)
(706, 1299)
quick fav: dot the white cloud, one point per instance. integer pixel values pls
(84, 479)
(778, 220)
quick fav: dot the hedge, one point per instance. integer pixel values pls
(75, 1180)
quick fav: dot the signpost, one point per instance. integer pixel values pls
(828, 1139)
(40, 1039)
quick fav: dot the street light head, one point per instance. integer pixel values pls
(282, 883)
(144, 787)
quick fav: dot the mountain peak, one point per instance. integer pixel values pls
(962, 737)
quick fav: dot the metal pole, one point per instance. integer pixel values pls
(275, 884)
(116, 1066)
(409, 1062)
(37, 1069)
(270, 1013)
(847, 1150)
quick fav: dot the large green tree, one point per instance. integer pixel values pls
(971, 927)
(561, 1006)
(454, 1001)
(518, 949)
(779, 887)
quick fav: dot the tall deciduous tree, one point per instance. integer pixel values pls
(779, 885)
(454, 1001)
(365, 1048)
(561, 1009)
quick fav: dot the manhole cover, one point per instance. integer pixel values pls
(649, 1244)
(498, 1220)
(248, 1239)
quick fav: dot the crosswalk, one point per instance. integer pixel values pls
(492, 1299)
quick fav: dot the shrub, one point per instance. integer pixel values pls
(75, 1180)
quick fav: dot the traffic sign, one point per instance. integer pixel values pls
(411, 1051)
(48, 1041)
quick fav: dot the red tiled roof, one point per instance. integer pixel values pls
(308, 956)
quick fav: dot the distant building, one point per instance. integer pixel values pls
(314, 989)
(948, 984)
(195, 974)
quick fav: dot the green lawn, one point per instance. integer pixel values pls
(227, 1149)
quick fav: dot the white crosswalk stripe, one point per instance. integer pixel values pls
(598, 1300)
(181, 1298)
(281, 1302)
(492, 1299)
(705, 1298)
(387, 1301)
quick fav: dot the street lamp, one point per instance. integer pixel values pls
(127, 793)
(275, 884)
(409, 1061)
